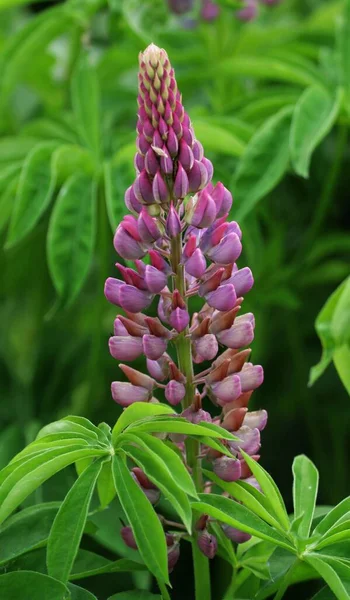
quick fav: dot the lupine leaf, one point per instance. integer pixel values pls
(218, 139)
(28, 585)
(269, 68)
(324, 594)
(25, 479)
(71, 236)
(35, 190)
(67, 426)
(238, 516)
(135, 595)
(79, 593)
(115, 186)
(263, 163)
(270, 490)
(105, 485)
(148, 532)
(313, 117)
(88, 564)
(69, 523)
(7, 202)
(95, 431)
(160, 476)
(15, 149)
(169, 459)
(343, 51)
(305, 487)
(137, 411)
(248, 495)
(29, 530)
(180, 425)
(85, 100)
(335, 574)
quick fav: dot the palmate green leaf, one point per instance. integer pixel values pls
(89, 564)
(228, 511)
(71, 236)
(305, 487)
(169, 458)
(147, 529)
(280, 563)
(313, 117)
(334, 573)
(263, 163)
(30, 475)
(34, 193)
(105, 485)
(162, 478)
(102, 434)
(137, 411)
(218, 139)
(331, 518)
(27, 530)
(69, 523)
(79, 593)
(333, 328)
(270, 490)
(248, 495)
(339, 550)
(180, 425)
(28, 585)
(71, 425)
(85, 101)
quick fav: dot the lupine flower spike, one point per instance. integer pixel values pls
(179, 222)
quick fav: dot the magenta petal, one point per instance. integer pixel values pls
(242, 280)
(180, 189)
(239, 335)
(175, 392)
(126, 245)
(251, 377)
(227, 251)
(227, 390)
(160, 189)
(223, 298)
(197, 177)
(155, 280)
(207, 347)
(256, 419)
(132, 299)
(249, 440)
(112, 290)
(143, 188)
(125, 393)
(179, 319)
(125, 347)
(228, 469)
(196, 264)
(173, 223)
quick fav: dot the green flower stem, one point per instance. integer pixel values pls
(184, 355)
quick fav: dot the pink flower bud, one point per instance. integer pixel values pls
(112, 290)
(125, 393)
(249, 12)
(132, 299)
(205, 348)
(160, 189)
(143, 189)
(173, 223)
(227, 390)
(159, 262)
(196, 416)
(256, 419)
(155, 280)
(172, 142)
(128, 537)
(227, 251)
(201, 210)
(181, 183)
(222, 198)
(173, 556)
(249, 440)
(125, 347)
(223, 298)
(166, 163)
(185, 155)
(209, 167)
(197, 150)
(159, 369)
(210, 11)
(197, 177)
(175, 392)
(240, 334)
(251, 377)
(131, 201)
(148, 228)
(151, 163)
(242, 280)
(127, 246)
(196, 264)
(179, 319)
(154, 347)
(228, 469)
(207, 543)
(235, 535)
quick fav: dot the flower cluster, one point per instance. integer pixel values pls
(179, 225)
(210, 10)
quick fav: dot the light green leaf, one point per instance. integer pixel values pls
(71, 236)
(79, 593)
(147, 529)
(105, 485)
(313, 117)
(7, 202)
(248, 495)
(169, 458)
(69, 425)
(343, 51)
(85, 100)
(333, 574)
(114, 177)
(30, 475)
(137, 411)
(333, 328)
(341, 359)
(69, 523)
(98, 432)
(332, 517)
(71, 159)
(28, 585)
(339, 535)
(269, 68)
(263, 163)
(305, 487)
(157, 472)
(218, 139)
(180, 425)
(15, 149)
(88, 564)
(270, 490)
(27, 530)
(34, 193)
(228, 511)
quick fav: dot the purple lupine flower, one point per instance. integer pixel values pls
(179, 7)
(207, 543)
(183, 244)
(209, 11)
(249, 11)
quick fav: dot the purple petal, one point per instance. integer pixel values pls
(125, 347)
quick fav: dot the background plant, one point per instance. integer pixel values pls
(295, 238)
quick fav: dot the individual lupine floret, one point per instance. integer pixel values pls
(207, 543)
(249, 12)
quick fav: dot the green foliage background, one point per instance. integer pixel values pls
(270, 101)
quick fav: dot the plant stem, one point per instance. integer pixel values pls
(184, 355)
(163, 590)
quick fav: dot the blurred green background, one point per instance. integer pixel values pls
(68, 84)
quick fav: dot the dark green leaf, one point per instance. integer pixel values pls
(343, 51)
(27, 585)
(68, 526)
(228, 511)
(263, 163)
(313, 117)
(88, 564)
(135, 595)
(324, 594)
(145, 524)
(78, 593)
(334, 573)
(218, 139)
(85, 100)
(27, 530)
(35, 190)
(305, 487)
(71, 236)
